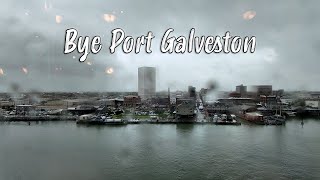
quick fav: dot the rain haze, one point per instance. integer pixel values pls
(33, 34)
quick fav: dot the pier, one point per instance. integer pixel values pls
(38, 118)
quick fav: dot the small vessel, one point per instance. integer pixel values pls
(233, 118)
(215, 118)
(279, 117)
(133, 121)
(84, 119)
(275, 120)
(153, 119)
(114, 122)
(254, 117)
(291, 114)
(226, 120)
(224, 117)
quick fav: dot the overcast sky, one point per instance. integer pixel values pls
(286, 56)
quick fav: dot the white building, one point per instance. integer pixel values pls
(313, 103)
(146, 82)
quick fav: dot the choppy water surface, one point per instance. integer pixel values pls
(63, 150)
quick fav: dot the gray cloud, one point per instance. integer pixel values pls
(286, 55)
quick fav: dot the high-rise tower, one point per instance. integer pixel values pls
(146, 82)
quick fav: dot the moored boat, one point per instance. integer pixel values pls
(84, 119)
(133, 121)
(225, 120)
(275, 120)
(99, 120)
(290, 114)
(254, 117)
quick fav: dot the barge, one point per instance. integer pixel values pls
(90, 119)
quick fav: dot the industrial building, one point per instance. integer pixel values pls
(265, 90)
(185, 108)
(242, 90)
(131, 101)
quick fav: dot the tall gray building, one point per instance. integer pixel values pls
(146, 82)
(242, 90)
(265, 90)
(192, 92)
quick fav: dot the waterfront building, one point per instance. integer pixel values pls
(77, 102)
(265, 90)
(185, 107)
(231, 101)
(269, 101)
(235, 95)
(25, 110)
(315, 94)
(131, 101)
(161, 101)
(82, 109)
(313, 103)
(111, 102)
(6, 105)
(180, 100)
(21, 101)
(146, 82)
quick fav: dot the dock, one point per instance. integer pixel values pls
(163, 122)
(38, 118)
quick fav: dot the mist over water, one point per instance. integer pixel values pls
(63, 150)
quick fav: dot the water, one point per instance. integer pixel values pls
(63, 150)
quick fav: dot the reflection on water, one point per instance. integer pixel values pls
(185, 128)
(64, 150)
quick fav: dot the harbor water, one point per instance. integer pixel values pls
(64, 150)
